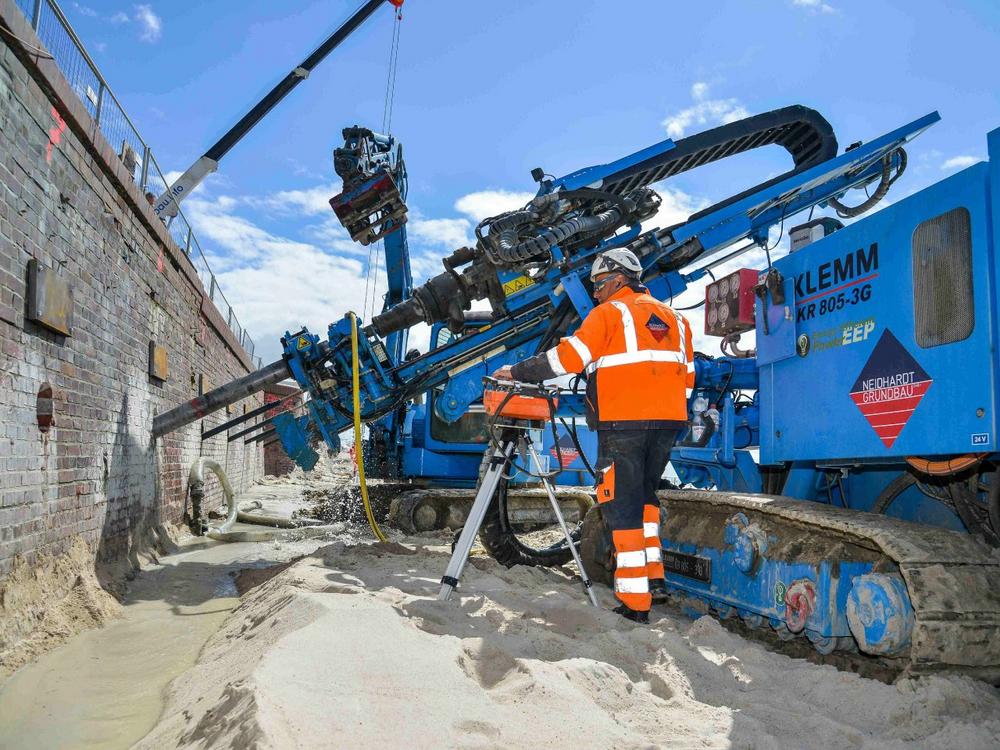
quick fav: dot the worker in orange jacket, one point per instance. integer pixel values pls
(639, 361)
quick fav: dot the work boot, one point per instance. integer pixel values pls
(658, 589)
(631, 614)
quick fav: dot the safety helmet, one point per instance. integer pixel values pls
(618, 260)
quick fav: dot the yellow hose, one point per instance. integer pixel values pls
(356, 385)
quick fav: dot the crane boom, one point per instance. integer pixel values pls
(167, 204)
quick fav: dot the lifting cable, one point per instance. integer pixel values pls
(390, 81)
(390, 96)
(359, 453)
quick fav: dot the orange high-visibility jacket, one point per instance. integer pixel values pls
(639, 359)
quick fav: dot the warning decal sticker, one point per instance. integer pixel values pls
(515, 285)
(889, 388)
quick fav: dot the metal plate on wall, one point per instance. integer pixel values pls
(50, 299)
(159, 367)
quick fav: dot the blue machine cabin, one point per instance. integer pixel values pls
(894, 341)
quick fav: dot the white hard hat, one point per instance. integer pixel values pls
(620, 260)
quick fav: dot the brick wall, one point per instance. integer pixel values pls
(276, 461)
(71, 206)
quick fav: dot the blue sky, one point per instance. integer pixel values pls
(487, 90)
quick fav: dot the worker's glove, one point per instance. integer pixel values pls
(503, 373)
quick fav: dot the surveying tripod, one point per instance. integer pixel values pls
(518, 407)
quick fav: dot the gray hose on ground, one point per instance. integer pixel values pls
(276, 535)
(283, 522)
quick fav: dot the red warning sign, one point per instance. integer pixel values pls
(889, 388)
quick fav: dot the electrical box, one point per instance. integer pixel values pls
(729, 303)
(808, 233)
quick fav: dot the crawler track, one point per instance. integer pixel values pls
(953, 581)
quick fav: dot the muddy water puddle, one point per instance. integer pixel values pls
(106, 688)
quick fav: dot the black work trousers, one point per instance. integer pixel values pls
(629, 466)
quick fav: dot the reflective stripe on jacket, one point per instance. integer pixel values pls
(639, 358)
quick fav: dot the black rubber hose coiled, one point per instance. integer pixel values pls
(507, 249)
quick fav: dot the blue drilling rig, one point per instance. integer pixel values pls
(843, 488)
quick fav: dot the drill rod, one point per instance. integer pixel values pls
(249, 415)
(219, 398)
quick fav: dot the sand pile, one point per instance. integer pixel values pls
(45, 602)
(348, 648)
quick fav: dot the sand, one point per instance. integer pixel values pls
(104, 688)
(43, 604)
(95, 669)
(345, 645)
(348, 647)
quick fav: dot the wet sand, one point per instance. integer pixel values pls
(106, 688)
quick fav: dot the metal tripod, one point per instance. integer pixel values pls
(499, 461)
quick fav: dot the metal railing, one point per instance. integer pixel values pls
(55, 32)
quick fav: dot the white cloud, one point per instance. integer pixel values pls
(814, 6)
(699, 90)
(478, 206)
(676, 207)
(314, 201)
(959, 162)
(150, 24)
(275, 283)
(704, 112)
(84, 10)
(331, 234)
(290, 287)
(213, 220)
(449, 233)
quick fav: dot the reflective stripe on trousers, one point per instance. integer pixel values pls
(631, 581)
(651, 536)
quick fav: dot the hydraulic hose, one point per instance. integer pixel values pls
(356, 397)
(263, 519)
(508, 250)
(499, 537)
(884, 184)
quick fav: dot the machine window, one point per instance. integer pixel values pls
(943, 306)
(469, 428)
(444, 336)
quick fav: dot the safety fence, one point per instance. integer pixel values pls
(55, 32)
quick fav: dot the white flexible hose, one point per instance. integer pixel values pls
(197, 479)
(222, 532)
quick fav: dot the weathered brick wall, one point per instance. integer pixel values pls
(276, 461)
(67, 202)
